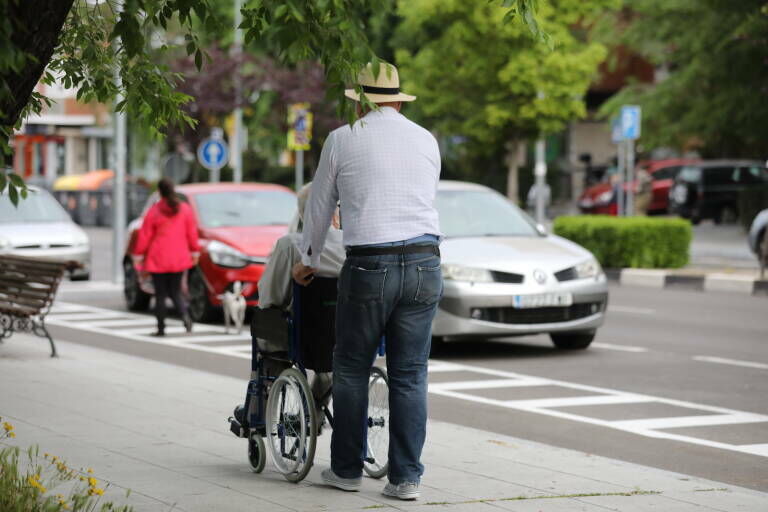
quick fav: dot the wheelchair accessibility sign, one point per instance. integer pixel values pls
(213, 152)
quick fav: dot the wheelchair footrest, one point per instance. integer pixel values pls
(236, 428)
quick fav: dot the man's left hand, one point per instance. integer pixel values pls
(303, 274)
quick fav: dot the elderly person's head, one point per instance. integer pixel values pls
(301, 202)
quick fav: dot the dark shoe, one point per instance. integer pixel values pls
(158, 334)
(240, 415)
(188, 323)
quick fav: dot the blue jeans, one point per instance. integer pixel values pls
(394, 295)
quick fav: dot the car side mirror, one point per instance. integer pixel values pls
(541, 229)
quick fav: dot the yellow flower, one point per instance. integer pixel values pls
(34, 481)
(46, 455)
(11, 434)
(7, 426)
(92, 481)
(90, 470)
(94, 491)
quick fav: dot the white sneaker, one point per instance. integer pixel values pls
(345, 484)
(403, 491)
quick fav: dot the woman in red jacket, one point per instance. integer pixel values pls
(167, 245)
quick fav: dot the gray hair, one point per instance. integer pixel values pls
(302, 198)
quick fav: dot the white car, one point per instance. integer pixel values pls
(505, 276)
(40, 228)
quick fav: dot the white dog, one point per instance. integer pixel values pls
(234, 306)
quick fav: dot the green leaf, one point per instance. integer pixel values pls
(16, 180)
(3, 181)
(198, 60)
(13, 194)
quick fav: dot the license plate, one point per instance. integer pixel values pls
(542, 300)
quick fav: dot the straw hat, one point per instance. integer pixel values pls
(383, 89)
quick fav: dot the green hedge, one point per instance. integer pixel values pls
(635, 242)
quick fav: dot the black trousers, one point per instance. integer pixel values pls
(167, 285)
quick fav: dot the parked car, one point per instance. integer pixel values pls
(505, 276)
(238, 225)
(40, 228)
(601, 198)
(758, 240)
(710, 189)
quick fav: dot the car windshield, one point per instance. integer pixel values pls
(466, 213)
(39, 206)
(691, 174)
(245, 208)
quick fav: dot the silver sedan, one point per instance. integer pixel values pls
(40, 228)
(505, 276)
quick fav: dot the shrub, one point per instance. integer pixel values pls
(636, 242)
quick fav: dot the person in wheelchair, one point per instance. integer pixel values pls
(276, 292)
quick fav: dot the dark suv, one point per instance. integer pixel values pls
(710, 189)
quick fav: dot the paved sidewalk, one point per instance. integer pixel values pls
(161, 431)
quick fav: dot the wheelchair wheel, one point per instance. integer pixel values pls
(257, 452)
(376, 461)
(291, 425)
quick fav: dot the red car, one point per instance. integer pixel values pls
(238, 224)
(601, 198)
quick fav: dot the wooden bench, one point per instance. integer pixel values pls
(27, 289)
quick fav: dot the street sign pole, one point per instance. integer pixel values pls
(540, 173)
(299, 169)
(631, 177)
(237, 143)
(118, 187)
(620, 181)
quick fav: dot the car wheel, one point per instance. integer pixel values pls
(135, 298)
(200, 308)
(80, 277)
(572, 340)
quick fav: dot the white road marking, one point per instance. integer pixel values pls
(631, 310)
(621, 348)
(89, 286)
(486, 384)
(757, 449)
(60, 312)
(734, 362)
(74, 317)
(215, 337)
(648, 427)
(146, 320)
(690, 421)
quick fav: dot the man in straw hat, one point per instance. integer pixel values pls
(384, 170)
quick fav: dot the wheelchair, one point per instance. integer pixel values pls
(279, 414)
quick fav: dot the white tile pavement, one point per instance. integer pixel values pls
(160, 430)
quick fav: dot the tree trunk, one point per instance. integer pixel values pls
(514, 159)
(36, 25)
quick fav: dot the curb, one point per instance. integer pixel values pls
(710, 282)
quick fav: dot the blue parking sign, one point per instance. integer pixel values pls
(629, 121)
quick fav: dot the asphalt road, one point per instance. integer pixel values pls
(675, 379)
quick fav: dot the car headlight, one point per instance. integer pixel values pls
(590, 268)
(227, 256)
(81, 241)
(462, 273)
(605, 198)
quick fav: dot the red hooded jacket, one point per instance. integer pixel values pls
(167, 240)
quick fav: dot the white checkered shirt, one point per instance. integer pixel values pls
(384, 170)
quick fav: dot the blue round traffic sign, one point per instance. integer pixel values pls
(213, 153)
